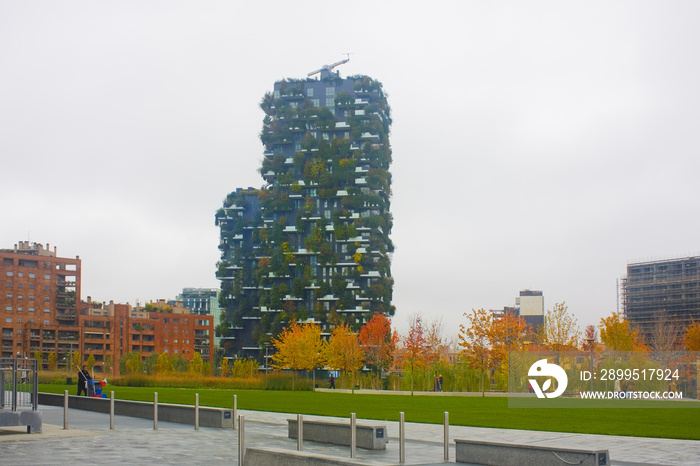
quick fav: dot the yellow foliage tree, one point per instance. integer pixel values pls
(692, 337)
(298, 347)
(225, 369)
(617, 335)
(197, 364)
(475, 343)
(164, 365)
(344, 352)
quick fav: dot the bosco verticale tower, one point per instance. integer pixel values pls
(313, 243)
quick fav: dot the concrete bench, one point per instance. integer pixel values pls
(31, 419)
(338, 433)
(506, 454)
(182, 414)
(279, 457)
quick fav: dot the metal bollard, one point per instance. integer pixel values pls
(241, 439)
(300, 432)
(65, 410)
(235, 411)
(155, 410)
(447, 436)
(196, 411)
(402, 439)
(111, 410)
(353, 436)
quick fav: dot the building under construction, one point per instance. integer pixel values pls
(663, 289)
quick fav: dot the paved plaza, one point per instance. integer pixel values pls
(133, 441)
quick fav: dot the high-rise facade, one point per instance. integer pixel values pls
(663, 289)
(313, 243)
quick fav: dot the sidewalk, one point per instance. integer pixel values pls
(89, 440)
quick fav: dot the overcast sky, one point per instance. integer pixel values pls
(536, 145)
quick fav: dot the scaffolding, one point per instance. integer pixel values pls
(667, 289)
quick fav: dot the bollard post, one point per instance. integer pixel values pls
(155, 410)
(111, 410)
(65, 410)
(196, 411)
(300, 432)
(241, 439)
(402, 439)
(447, 436)
(353, 436)
(235, 411)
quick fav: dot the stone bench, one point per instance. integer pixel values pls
(507, 454)
(279, 457)
(338, 433)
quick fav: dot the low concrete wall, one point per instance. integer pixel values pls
(31, 419)
(338, 433)
(504, 454)
(279, 457)
(182, 414)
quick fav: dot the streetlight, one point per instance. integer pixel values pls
(267, 346)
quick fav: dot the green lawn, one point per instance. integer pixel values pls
(677, 423)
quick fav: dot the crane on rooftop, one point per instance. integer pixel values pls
(327, 69)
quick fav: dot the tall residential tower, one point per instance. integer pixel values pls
(313, 243)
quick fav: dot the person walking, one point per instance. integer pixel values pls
(331, 379)
(83, 376)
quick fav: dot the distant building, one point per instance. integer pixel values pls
(203, 301)
(668, 289)
(530, 306)
(41, 311)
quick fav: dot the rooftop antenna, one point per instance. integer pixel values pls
(326, 70)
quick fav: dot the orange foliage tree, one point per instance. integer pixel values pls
(414, 346)
(475, 343)
(379, 342)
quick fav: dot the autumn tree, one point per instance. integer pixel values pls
(91, 363)
(691, 339)
(52, 361)
(164, 365)
(475, 343)
(225, 369)
(414, 346)
(378, 342)
(617, 335)
(666, 333)
(298, 347)
(343, 351)
(506, 334)
(561, 331)
(590, 341)
(197, 363)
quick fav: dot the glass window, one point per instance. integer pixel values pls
(8, 319)
(46, 310)
(46, 322)
(310, 92)
(330, 91)
(330, 102)
(32, 275)
(10, 273)
(47, 276)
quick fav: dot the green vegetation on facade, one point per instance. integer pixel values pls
(314, 241)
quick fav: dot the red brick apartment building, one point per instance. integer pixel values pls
(41, 310)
